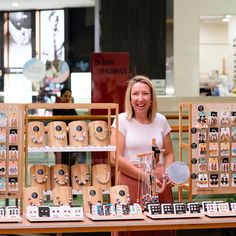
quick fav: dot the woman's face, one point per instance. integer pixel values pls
(141, 98)
(66, 96)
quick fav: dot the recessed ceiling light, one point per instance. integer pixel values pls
(15, 4)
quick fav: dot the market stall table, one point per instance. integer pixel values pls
(111, 226)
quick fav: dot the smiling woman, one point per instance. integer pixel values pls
(138, 126)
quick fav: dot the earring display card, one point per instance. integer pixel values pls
(213, 134)
(11, 149)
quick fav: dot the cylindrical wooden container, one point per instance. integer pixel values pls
(91, 196)
(36, 136)
(119, 193)
(80, 176)
(78, 133)
(57, 134)
(62, 195)
(40, 177)
(32, 196)
(101, 176)
(60, 175)
(98, 133)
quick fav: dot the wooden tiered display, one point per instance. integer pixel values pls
(87, 133)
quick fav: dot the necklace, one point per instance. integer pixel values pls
(61, 177)
(59, 130)
(102, 173)
(36, 129)
(105, 180)
(83, 180)
(41, 176)
(37, 140)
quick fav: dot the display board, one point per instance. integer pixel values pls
(11, 150)
(212, 146)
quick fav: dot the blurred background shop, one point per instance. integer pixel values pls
(171, 45)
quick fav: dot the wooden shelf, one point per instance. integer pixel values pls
(109, 148)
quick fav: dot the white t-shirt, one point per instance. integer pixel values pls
(138, 137)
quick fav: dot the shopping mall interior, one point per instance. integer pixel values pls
(187, 48)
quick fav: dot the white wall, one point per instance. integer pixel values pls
(186, 40)
(213, 48)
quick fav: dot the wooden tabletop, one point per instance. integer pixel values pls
(26, 227)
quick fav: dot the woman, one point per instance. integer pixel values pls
(66, 97)
(137, 127)
(68, 158)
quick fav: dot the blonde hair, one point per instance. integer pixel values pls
(128, 107)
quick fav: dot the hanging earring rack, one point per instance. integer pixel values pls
(211, 148)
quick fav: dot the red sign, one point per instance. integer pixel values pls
(110, 73)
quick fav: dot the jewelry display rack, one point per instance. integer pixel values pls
(210, 146)
(119, 207)
(11, 159)
(54, 139)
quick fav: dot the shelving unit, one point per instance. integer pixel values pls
(110, 110)
(49, 127)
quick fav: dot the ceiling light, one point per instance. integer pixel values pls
(15, 4)
(226, 19)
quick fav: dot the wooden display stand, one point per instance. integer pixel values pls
(211, 148)
(57, 134)
(36, 137)
(119, 193)
(40, 177)
(78, 133)
(57, 131)
(80, 176)
(101, 175)
(98, 133)
(62, 195)
(60, 175)
(91, 195)
(32, 196)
